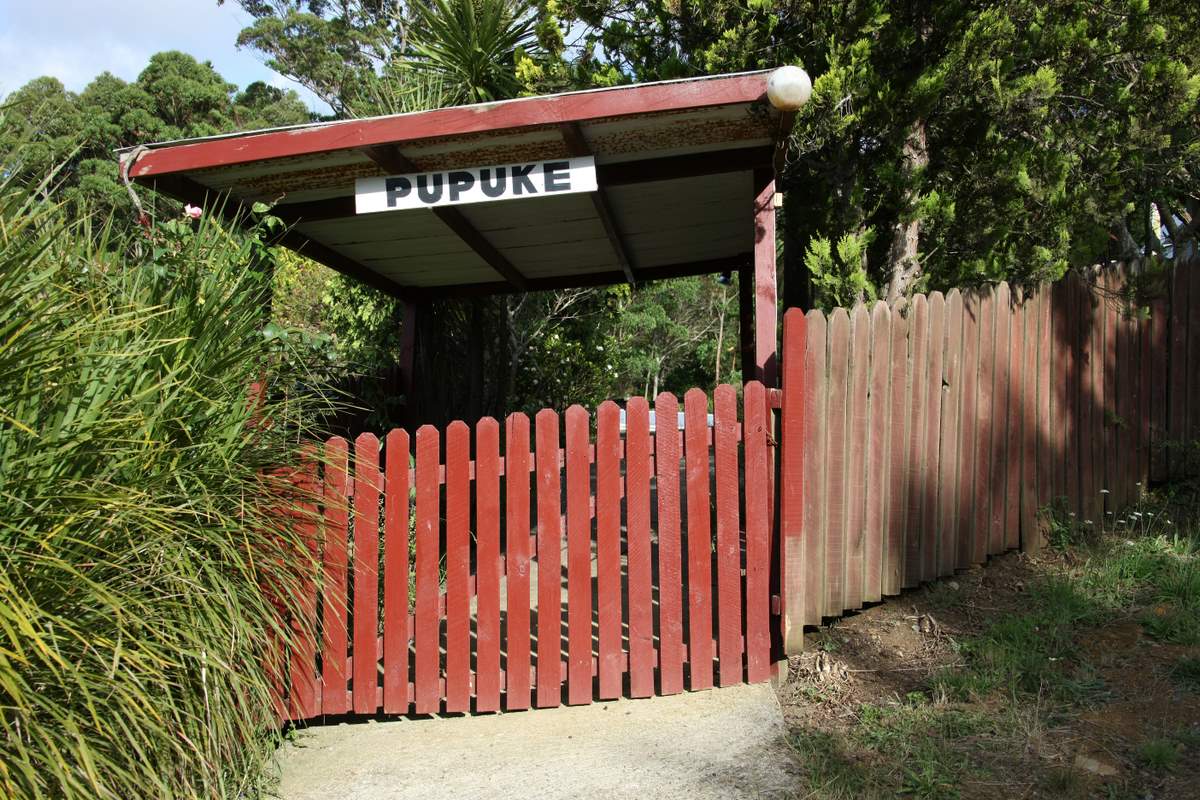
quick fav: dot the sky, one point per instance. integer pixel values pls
(75, 41)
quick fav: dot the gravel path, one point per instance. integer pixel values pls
(722, 743)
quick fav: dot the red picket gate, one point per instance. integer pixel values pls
(661, 567)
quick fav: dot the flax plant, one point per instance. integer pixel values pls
(147, 568)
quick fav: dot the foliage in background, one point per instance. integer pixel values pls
(141, 551)
(974, 141)
(48, 128)
(474, 47)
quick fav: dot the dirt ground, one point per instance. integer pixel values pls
(884, 654)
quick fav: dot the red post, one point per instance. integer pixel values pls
(408, 348)
(766, 313)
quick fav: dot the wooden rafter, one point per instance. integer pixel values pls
(648, 170)
(681, 270)
(577, 146)
(390, 159)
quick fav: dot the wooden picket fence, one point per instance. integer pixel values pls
(933, 434)
(477, 614)
(915, 440)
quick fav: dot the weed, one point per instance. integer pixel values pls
(833, 773)
(1159, 754)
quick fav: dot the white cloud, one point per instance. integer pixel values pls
(74, 40)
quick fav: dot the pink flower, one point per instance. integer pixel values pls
(192, 212)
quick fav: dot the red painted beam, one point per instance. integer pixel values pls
(506, 115)
(766, 304)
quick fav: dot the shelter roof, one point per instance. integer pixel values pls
(674, 164)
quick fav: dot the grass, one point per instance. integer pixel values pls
(913, 749)
(1028, 671)
(1186, 673)
(144, 564)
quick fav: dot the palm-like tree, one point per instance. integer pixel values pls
(473, 46)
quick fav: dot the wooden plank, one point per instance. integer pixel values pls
(1036, 428)
(487, 565)
(1123, 452)
(915, 446)
(950, 443)
(517, 569)
(670, 580)
(1192, 432)
(579, 559)
(758, 536)
(395, 574)
(1061, 356)
(366, 572)
(998, 474)
(933, 431)
(1160, 347)
(638, 548)
(1177, 366)
(856, 465)
(835, 509)
(877, 452)
(458, 567)
(900, 402)
(1129, 384)
(427, 622)
(549, 557)
(1110, 482)
(983, 427)
(1143, 336)
(968, 426)
(1018, 376)
(334, 609)
(1050, 435)
(699, 541)
(1093, 467)
(816, 386)
(729, 544)
(793, 485)
(1072, 416)
(305, 696)
(1032, 431)
(608, 561)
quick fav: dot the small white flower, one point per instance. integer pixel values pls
(192, 212)
(1104, 491)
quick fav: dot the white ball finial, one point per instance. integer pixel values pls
(789, 88)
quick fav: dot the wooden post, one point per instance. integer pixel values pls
(746, 322)
(408, 348)
(766, 312)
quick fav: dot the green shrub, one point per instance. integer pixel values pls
(136, 524)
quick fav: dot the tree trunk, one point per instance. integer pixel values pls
(903, 256)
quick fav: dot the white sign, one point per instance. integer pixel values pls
(475, 185)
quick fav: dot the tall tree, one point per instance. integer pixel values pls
(174, 97)
(949, 143)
